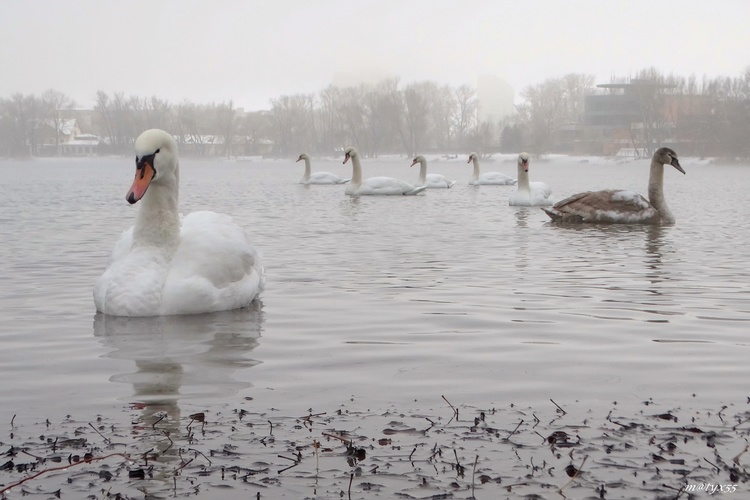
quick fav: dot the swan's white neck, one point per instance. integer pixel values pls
(523, 179)
(422, 171)
(475, 175)
(356, 171)
(656, 192)
(308, 170)
(158, 220)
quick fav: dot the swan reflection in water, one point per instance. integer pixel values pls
(181, 359)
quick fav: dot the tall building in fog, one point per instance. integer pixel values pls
(495, 99)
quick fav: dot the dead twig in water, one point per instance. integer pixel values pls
(295, 464)
(514, 430)
(736, 459)
(473, 475)
(718, 469)
(62, 467)
(162, 417)
(455, 410)
(11, 421)
(351, 478)
(106, 440)
(558, 407)
(573, 477)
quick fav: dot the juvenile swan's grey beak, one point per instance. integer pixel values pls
(676, 164)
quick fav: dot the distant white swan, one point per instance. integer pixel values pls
(490, 178)
(529, 194)
(620, 206)
(430, 180)
(318, 177)
(162, 265)
(375, 185)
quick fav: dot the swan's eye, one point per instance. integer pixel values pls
(157, 150)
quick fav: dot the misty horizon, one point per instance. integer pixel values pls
(252, 52)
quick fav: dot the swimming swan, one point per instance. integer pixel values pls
(490, 178)
(430, 180)
(529, 194)
(620, 206)
(318, 177)
(162, 265)
(375, 185)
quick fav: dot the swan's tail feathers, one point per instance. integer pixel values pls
(553, 214)
(416, 190)
(344, 181)
(513, 182)
(558, 216)
(451, 183)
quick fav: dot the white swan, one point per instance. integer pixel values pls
(490, 178)
(430, 180)
(375, 185)
(318, 177)
(529, 194)
(620, 206)
(161, 266)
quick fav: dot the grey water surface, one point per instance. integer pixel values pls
(389, 300)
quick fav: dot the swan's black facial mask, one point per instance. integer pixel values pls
(144, 174)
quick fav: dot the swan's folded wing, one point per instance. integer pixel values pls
(215, 264)
(607, 206)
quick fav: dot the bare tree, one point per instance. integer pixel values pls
(58, 107)
(465, 116)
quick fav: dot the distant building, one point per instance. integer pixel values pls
(626, 119)
(81, 145)
(495, 99)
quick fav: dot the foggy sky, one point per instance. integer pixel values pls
(251, 51)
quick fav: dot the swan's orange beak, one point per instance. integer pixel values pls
(346, 158)
(525, 164)
(298, 159)
(469, 161)
(414, 162)
(144, 174)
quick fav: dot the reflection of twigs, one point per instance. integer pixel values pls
(106, 440)
(62, 467)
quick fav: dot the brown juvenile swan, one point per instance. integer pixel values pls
(621, 206)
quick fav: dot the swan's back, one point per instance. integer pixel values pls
(438, 181)
(384, 186)
(325, 178)
(607, 206)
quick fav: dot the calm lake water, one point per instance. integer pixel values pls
(388, 300)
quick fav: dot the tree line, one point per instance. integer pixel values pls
(708, 116)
